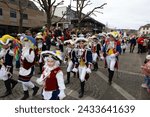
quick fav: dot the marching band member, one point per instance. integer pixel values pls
(84, 56)
(112, 53)
(7, 55)
(27, 69)
(52, 77)
(96, 49)
(70, 58)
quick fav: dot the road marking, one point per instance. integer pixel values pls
(116, 87)
(126, 72)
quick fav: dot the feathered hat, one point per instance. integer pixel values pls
(114, 34)
(30, 38)
(55, 55)
(6, 39)
(81, 38)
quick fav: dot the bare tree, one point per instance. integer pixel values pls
(22, 5)
(81, 5)
(49, 6)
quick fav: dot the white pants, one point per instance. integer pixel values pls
(94, 56)
(27, 85)
(82, 73)
(70, 66)
(111, 61)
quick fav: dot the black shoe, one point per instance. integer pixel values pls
(35, 90)
(7, 93)
(95, 69)
(79, 91)
(26, 95)
(81, 95)
(110, 83)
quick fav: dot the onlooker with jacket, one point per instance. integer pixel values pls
(132, 44)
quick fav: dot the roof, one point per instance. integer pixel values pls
(145, 26)
(86, 19)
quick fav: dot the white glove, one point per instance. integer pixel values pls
(75, 70)
(88, 70)
(40, 81)
(61, 94)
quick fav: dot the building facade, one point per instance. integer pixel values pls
(9, 17)
(144, 29)
(89, 23)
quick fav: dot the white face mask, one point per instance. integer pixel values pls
(40, 45)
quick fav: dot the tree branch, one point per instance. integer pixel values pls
(89, 13)
(87, 4)
(64, 14)
(40, 3)
(53, 3)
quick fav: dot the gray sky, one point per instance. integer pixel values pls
(122, 13)
(126, 14)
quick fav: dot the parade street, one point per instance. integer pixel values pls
(126, 82)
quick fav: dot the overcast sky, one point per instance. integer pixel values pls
(122, 13)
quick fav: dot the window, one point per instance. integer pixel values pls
(1, 11)
(25, 16)
(13, 14)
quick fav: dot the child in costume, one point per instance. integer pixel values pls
(112, 51)
(7, 54)
(96, 49)
(84, 56)
(27, 69)
(52, 77)
(70, 58)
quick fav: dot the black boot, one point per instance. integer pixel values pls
(82, 89)
(13, 82)
(8, 88)
(35, 90)
(96, 66)
(74, 74)
(26, 95)
(111, 74)
(108, 72)
(68, 78)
